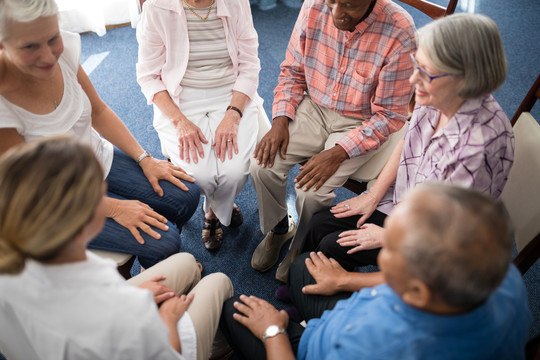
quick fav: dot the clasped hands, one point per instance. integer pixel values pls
(172, 306)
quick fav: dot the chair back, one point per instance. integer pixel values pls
(432, 10)
(521, 194)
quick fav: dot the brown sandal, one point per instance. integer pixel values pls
(236, 218)
(212, 234)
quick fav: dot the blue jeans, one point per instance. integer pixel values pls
(127, 181)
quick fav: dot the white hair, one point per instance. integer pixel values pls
(24, 11)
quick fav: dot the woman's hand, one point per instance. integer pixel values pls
(363, 204)
(172, 309)
(133, 215)
(257, 315)
(367, 237)
(225, 140)
(190, 140)
(160, 291)
(155, 170)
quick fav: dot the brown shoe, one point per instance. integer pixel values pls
(212, 234)
(236, 218)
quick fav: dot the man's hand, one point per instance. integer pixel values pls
(257, 315)
(155, 170)
(160, 291)
(133, 214)
(320, 168)
(327, 273)
(276, 138)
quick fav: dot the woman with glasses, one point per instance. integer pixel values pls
(458, 133)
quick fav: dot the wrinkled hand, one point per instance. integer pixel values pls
(363, 204)
(133, 215)
(190, 140)
(257, 315)
(160, 291)
(155, 170)
(225, 140)
(367, 237)
(320, 168)
(276, 138)
(172, 309)
(327, 273)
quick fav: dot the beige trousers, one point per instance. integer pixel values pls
(314, 129)
(183, 277)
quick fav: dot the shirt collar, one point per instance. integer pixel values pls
(94, 270)
(462, 121)
(178, 6)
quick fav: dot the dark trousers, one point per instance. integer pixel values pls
(245, 344)
(309, 306)
(323, 233)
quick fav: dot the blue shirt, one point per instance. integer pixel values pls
(376, 324)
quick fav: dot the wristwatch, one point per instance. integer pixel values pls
(272, 331)
(144, 155)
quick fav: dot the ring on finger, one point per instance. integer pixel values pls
(347, 206)
(229, 140)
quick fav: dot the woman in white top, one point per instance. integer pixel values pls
(44, 91)
(198, 66)
(58, 301)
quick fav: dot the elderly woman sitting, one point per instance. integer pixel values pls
(458, 133)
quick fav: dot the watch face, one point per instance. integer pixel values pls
(272, 330)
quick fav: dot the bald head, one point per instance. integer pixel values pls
(456, 241)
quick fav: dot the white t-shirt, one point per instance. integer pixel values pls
(72, 116)
(81, 310)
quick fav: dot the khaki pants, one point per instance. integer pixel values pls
(315, 129)
(183, 277)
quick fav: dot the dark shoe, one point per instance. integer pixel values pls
(236, 218)
(212, 234)
(282, 294)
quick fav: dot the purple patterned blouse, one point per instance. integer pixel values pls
(474, 150)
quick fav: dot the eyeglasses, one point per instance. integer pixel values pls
(424, 75)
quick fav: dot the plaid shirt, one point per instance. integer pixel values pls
(362, 74)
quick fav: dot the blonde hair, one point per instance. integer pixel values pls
(49, 189)
(24, 11)
(468, 45)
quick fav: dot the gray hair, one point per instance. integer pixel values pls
(468, 45)
(24, 11)
(458, 243)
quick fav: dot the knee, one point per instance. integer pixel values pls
(222, 284)
(298, 269)
(182, 203)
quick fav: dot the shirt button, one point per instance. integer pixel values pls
(348, 327)
(334, 94)
(396, 307)
(373, 292)
(342, 68)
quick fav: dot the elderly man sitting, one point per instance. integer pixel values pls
(450, 293)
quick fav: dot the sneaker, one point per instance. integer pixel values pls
(267, 252)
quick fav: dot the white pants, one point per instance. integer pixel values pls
(220, 182)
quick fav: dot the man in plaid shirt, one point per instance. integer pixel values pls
(343, 89)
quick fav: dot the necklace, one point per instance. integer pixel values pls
(197, 15)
